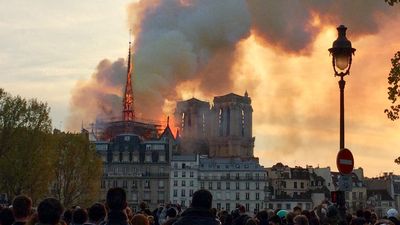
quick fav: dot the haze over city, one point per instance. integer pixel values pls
(73, 56)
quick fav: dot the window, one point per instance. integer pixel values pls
(219, 206)
(228, 185)
(175, 183)
(146, 195)
(219, 185)
(237, 176)
(284, 184)
(160, 184)
(360, 195)
(175, 165)
(237, 196)
(134, 196)
(175, 173)
(210, 185)
(247, 195)
(247, 185)
(146, 184)
(295, 184)
(247, 207)
(183, 174)
(354, 195)
(279, 206)
(247, 176)
(257, 176)
(228, 207)
(183, 165)
(257, 207)
(237, 185)
(125, 184)
(302, 185)
(191, 174)
(190, 192)
(288, 206)
(228, 176)
(175, 193)
(183, 193)
(257, 196)
(183, 203)
(148, 158)
(257, 186)
(202, 185)
(183, 183)
(134, 184)
(191, 183)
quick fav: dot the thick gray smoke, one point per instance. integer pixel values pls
(186, 40)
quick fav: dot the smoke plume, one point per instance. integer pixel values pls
(177, 41)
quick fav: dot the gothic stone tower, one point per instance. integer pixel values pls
(191, 117)
(231, 127)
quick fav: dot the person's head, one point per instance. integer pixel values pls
(367, 215)
(171, 212)
(289, 217)
(275, 220)
(49, 211)
(374, 218)
(67, 216)
(143, 206)
(251, 221)
(140, 219)
(116, 199)
(297, 210)
(300, 220)
(97, 212)
(360, 213)
(262, 215)
(6, 216)
(22, 207)
(79, 216)
(202, 199)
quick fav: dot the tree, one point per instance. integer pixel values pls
(394, 89)
(78, 170)
(25, 150)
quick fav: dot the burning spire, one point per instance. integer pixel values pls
(128, 113)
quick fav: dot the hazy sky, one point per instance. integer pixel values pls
(49, 48)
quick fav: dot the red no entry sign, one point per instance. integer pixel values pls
(345, 161)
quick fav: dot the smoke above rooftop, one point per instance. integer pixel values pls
(190, 48)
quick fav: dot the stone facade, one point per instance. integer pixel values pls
(224, 130)
(140, 167)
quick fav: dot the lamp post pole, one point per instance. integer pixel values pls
(342, 83)
(342, 52)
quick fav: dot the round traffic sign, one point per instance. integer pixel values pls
(345, 161)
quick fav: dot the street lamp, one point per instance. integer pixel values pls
(342, 53)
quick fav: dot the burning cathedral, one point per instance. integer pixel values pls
(213, 144)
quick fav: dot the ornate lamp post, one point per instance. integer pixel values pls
(342, 53)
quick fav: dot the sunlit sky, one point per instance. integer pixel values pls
(48, 46)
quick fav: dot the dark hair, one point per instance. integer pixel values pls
(171, 212)
(67, 216)
(116, 199)
(21, 206)
(79, 216)
(49, 211)
(97, 212)
(6, 216)
(300, 220)
(275, 219)
(202, 199)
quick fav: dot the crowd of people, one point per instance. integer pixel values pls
(115, 211)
